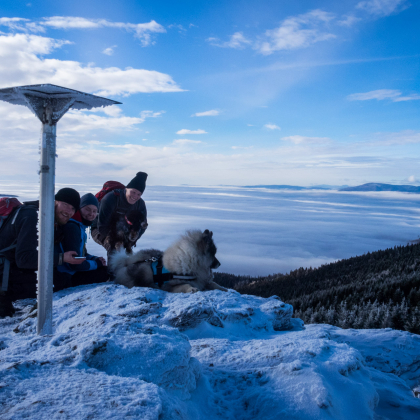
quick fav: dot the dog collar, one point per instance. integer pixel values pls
(128, 221)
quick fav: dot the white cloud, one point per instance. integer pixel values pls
(186, 131)
(83, 156)
(382, 7)
(186, 142)
(349, 20)
(150, 114)
(412, 178)
(381, 94)
(109, 50)
(398, 138)
(272, 127)
(95, 142)
(296, 32)
(237, 41)
(112, 111)
(81, 122)
(414, 97)
(142, 31)
(70, 22)
(180, 28)
(14, 23)
(22, 64)
(302, 139)
(211, 113)
(241, 147)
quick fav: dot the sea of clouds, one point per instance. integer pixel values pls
(261, 231)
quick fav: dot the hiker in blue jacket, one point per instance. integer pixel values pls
(93, 269)
(18, 247)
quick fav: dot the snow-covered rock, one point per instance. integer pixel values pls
(146, 354)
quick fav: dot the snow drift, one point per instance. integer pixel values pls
(146, 354)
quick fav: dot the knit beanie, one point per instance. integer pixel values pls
(69, 196)
(89, 199)
(138, 182)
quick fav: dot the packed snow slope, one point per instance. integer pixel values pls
(141, 353)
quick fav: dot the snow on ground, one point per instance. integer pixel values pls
(146, 354)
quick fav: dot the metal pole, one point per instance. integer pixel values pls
(46, 224)
(49, 103)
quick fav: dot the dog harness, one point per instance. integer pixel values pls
(161, 275)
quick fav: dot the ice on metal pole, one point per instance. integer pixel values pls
(46, 223)
(49, 103)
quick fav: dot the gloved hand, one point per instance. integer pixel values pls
(6, 306)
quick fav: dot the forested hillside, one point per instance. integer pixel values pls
(377, 290)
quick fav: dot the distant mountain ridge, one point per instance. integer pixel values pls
(372, 186)
(289, 187)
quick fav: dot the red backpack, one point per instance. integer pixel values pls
(7, 205)
(109, 186)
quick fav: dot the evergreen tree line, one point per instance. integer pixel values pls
(376, 290)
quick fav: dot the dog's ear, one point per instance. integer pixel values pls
(207, 234)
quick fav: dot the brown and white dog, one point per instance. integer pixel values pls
(190, 261)
(125, 231)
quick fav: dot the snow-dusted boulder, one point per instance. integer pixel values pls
(147, 354)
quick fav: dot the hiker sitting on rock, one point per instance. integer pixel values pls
(92, 269)
(19, 236)
(115, 201)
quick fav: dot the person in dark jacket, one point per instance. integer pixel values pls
(120, 201)
(92, 269)
(20, 231)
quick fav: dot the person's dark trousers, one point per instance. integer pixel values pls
(100, 275)
(22, 283)
(61, 280)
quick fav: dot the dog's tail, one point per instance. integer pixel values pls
(117, 261)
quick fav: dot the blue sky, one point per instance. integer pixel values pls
(236, 93)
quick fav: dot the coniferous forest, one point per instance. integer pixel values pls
(376, 290)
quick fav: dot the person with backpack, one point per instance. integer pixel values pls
(92, 269)
(115, 199)
(18, 249)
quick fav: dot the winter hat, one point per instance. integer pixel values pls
(89, 199)
(138, 182)
(69, 196)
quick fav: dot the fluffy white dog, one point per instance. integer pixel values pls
(185, 267)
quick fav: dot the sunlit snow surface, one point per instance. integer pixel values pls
(261, 231)
(146, 354)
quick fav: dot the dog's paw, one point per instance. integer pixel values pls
(193, 290)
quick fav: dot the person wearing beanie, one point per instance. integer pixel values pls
(120, 202)
(20, 234)
(92, 269)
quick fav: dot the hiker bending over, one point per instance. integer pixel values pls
(119, 200)
(92, 269)
(19, 235)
